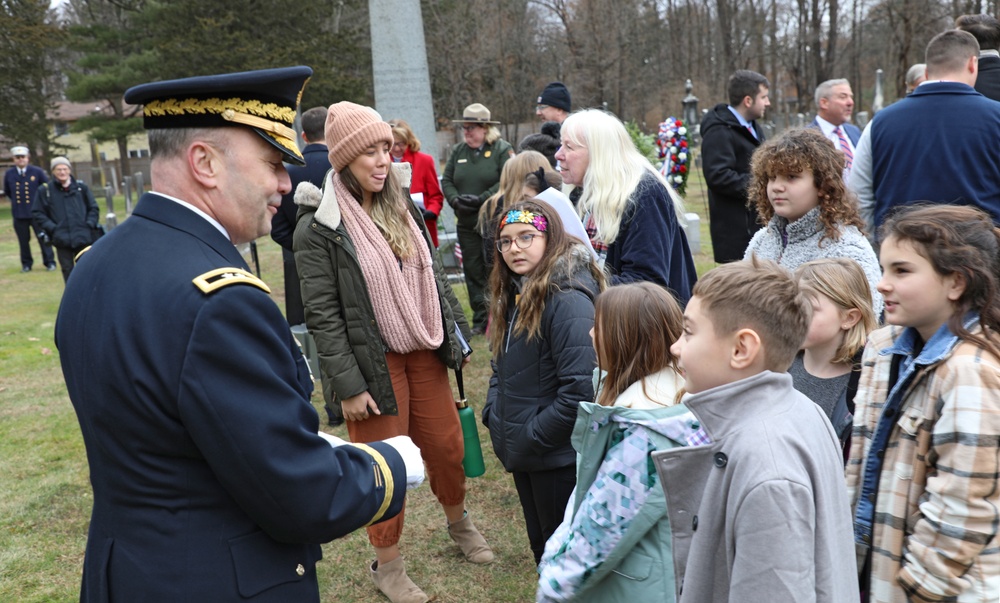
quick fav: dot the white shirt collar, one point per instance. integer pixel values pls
(942, 82)
(826, 126)
(207, 217)
(739, 117)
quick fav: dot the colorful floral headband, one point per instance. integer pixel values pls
(518, 216)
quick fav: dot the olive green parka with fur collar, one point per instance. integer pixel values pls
(338, 308)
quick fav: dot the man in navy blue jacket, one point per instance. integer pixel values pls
(210, 480)
(939, 144)
(317, 159)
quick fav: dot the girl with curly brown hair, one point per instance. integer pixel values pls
(797, 184)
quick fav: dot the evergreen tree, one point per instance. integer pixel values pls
(192, 37)
(30, 40)
(112, 55)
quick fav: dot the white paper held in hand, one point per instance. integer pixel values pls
(411, 459)
(418, 198)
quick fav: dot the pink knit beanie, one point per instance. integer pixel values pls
(350, 129)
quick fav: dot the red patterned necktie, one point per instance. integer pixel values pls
(848, 154)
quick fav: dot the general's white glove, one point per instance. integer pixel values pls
(333, 440)
(411, 459)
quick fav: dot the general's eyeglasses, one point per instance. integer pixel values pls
(523, 241)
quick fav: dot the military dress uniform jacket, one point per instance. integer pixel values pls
(210, 483)
(21, 189)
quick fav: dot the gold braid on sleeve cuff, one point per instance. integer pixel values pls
(383, 476)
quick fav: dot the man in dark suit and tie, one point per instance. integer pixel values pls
(986, 30)
(729, 136)
(834, 105)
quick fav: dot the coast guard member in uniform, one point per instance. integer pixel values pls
(19, 185)
(210, 481)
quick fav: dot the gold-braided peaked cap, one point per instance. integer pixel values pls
(265, 100)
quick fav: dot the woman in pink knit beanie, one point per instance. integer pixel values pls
(386, 325)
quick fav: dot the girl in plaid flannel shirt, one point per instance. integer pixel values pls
(922, 474)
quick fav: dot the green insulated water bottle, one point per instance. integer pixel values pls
(472, 462)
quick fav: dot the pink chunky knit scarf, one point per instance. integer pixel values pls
(403, 293)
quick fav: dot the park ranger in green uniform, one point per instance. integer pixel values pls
(472, 176)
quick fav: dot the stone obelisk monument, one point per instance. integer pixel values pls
(399, 67)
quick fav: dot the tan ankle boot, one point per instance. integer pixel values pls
(391, 579)
(469, 539)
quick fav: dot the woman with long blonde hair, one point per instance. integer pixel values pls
(632, 215)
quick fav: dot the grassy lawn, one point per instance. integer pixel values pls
(45, 495)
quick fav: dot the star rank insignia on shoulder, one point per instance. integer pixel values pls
(213, 280)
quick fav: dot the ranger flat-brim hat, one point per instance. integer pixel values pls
(266, 101)
(475, 114)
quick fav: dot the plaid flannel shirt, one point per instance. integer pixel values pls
(933, 529)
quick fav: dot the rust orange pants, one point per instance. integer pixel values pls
(427, 414)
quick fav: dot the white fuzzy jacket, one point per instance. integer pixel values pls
(804, 245)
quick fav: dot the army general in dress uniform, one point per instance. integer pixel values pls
(210, 481)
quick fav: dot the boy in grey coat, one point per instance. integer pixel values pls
(758, 512)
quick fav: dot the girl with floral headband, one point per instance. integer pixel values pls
(542, 291)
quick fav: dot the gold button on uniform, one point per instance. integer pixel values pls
(300, 570)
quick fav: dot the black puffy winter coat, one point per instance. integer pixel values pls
(68, 215)
(537, 385)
